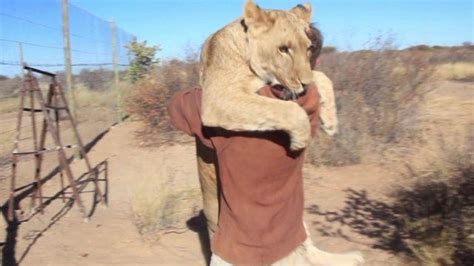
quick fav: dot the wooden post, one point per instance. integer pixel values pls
(115, 61)
(67, 58)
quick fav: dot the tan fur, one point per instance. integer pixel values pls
(328, 110)
(248, 53)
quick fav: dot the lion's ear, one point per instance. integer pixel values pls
(303, 11)
(255, 17)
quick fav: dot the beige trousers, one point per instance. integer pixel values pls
(295, 258)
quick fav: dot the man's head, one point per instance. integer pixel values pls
(316, 39)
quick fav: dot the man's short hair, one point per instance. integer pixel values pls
(316, 39)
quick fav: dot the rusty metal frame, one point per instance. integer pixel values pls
(52, 126)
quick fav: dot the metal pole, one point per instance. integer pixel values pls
(22, 59)
(67, 58)
(115, 59)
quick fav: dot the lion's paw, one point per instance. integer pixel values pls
(301, 136)
(331, 130)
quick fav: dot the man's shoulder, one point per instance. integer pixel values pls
(184, 110)
(188, 94)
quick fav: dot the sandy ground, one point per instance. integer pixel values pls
(110, 237)
(345, 210)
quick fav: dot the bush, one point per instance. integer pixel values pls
(437, 218)
(178, 74)
(147, 101)
(149, 95)
(421, 47)
(95, 79)
(377, 96)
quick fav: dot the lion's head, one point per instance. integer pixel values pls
(279, 48)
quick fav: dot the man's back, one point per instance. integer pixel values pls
(262, 201)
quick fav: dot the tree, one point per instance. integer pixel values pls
(143, 59)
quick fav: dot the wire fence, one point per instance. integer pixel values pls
(32, 33)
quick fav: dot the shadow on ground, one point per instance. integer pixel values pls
(198, 224)
(430, 219)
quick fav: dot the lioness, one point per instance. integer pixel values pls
(207, 161)
(263, 47)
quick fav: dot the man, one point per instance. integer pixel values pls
(261, 212)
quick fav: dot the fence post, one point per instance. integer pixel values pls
(67, 59)
(115, 59)
(68, 70)
(22, 59)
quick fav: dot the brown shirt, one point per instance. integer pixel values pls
(261, 204)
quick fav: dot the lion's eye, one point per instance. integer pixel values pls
(284, 49)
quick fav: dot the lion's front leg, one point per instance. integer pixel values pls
(246, 111)
(328, 110)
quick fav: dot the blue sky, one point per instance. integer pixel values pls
(347, 24)
(177, 24)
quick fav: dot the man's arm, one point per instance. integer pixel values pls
(184, 112)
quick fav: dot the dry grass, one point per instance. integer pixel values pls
(8, 109)
(379, 95)
(8, 105)
(96, 111)
(97, 105)
(462, 71)
(437, 212)
(160, 205)
(87, 98)
(445, 130)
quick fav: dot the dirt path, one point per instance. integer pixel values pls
(110, 237)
